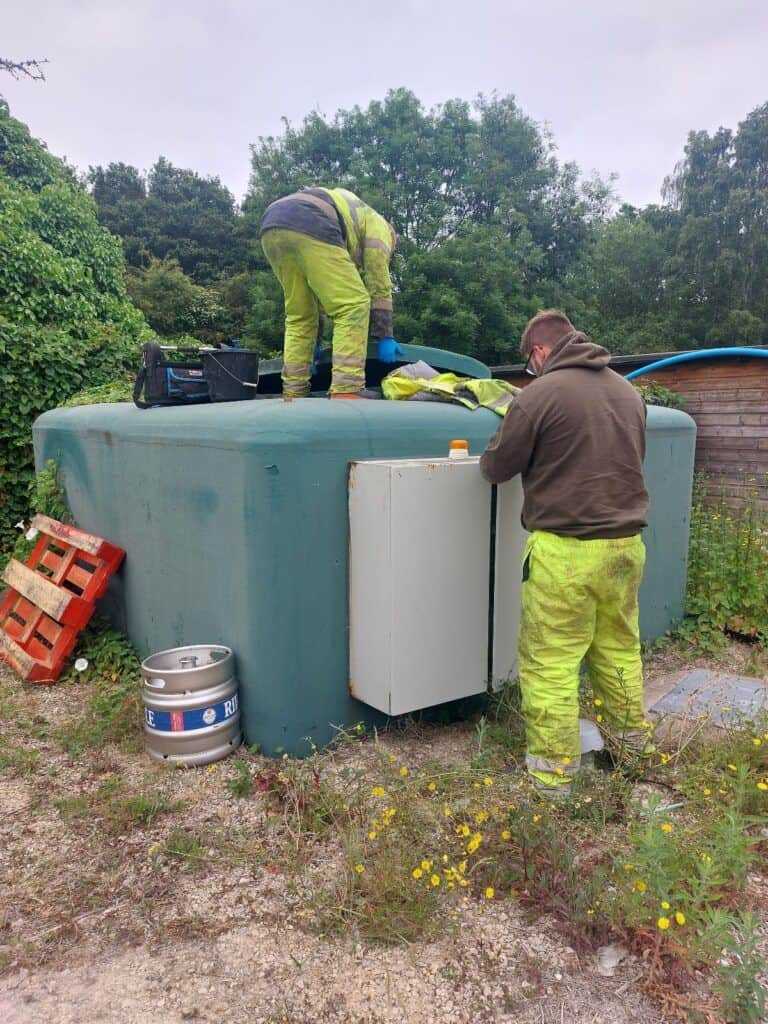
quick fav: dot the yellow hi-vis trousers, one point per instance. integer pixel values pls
(311, 271)
(579, 601)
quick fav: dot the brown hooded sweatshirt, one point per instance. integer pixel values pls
(577, 436)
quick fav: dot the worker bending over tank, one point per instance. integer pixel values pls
(329, 249)
(577, 437)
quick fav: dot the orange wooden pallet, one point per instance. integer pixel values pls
(52, 597)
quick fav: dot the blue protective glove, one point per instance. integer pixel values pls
(388, 350)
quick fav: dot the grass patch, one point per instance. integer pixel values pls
(112, 808)
(112, 713)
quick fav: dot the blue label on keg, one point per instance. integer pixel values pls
(185, 721)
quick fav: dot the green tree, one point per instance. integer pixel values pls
(175, 214)
(65, 319)
(171, 301)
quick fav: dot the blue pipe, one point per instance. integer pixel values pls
(704, 353)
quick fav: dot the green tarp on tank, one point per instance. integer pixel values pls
(234, 520)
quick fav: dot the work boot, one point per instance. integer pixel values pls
(557, 793)
(352, 394)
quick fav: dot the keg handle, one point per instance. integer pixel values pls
(189, 661)
(156, 684)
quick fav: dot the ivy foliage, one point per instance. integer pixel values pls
(66, 321)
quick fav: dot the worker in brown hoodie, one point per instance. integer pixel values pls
(577, 437)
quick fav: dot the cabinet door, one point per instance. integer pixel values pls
(419, 582)
(511, 539)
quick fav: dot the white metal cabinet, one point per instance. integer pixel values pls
(511, 539)
(419, 582)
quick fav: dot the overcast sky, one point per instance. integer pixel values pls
(619, 83)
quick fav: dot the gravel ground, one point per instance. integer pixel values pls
(93, 929)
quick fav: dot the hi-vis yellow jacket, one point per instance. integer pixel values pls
(370, 241)
(339, 217)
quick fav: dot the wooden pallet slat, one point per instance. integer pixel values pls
(52, 597)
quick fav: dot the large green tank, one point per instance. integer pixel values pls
(234, 520)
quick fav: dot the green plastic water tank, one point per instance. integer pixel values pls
(234, 520)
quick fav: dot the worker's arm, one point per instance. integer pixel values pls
(510, 449)
(376, 254)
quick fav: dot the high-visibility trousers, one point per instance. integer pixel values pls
(579, 601)
(311, 271)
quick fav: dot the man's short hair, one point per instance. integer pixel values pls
(547, 327)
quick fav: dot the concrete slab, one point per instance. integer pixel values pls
(725, 700)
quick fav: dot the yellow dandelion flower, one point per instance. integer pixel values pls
(403, 771)
(417, 873)
(447, 811)
(426, 865)
(763, 786)
(487, 781)
(664, 758)
(599, 718)
(566, 760)
(640, 885)
(477, 837)
(481, 816)
(378, 791)
(392, 758)
(463, 883)
(707, 792)
(434, 880)
(587, 799)
(665, 905)
(536, 817)
(666, 827)
(726, 707)
(559, 771)
(757, 741)
(490, 892)
(432, 787)
(372, 834)
(462, 830)
(451, 885)
(359, 868)
(590, 913)
(706, 858)
(462, 866)
(444, 858)
(663, 923)
(476, 785)
(506, 834)
(680, 918)
(472, 846)
(732, 767)
(598, 703)
(629, 867)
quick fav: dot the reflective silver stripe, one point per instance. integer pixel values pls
(377, 243)
(292, 390)
(354, 205)
(296, 369)
(500, 403)
(355, 361)
(541, 764)
(348, 379)
(381, 304)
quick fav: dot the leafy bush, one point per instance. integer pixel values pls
(655, 394)
(727, 570)
(65, 318)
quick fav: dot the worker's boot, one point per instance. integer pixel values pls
(351, 394)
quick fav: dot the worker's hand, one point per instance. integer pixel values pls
(388, 350)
